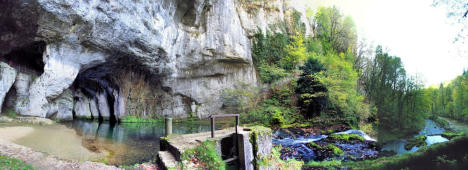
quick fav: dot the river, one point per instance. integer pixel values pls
(431, 130)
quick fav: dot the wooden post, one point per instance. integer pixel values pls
(168, 123)
(212, 120)
(237, 124)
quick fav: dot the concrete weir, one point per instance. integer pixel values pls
(253, 144)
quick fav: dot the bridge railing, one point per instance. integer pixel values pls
(212, 122)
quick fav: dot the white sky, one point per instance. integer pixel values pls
(413, 30)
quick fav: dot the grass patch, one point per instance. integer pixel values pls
(205, 156)
(448, 155)
(450, 134)
(330, 147)
(13, 163)
(417, 141)
(274, 161)
(317, 164)
(346, 137)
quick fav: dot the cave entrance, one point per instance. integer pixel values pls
(27, 59)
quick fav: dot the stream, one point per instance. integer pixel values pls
(295, 145)
(431, 130)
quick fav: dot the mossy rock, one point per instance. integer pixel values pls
(450, 134)
(417, 141)
(346, 137)
(329, 148)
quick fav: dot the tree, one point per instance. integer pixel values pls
(313, 95)
(337, 33)
(295, 53)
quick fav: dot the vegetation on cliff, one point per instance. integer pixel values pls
(328, 77)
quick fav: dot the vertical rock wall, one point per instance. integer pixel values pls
(7, 78)
(190, 51)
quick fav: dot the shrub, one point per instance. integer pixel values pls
(270, 74)
(273, 160)
(205, 156)
(346, 137)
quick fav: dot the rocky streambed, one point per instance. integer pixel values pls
(340, 142)
(307, 144)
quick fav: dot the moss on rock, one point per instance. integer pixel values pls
(330, 148)
(346, 137)
(417, 141)
(450, 134)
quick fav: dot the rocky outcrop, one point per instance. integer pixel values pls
(7, 78)
(22, 84)
(189, 52)
(81, 106)
(93, 107)
(62, 64)
(103, 106)
(65, 106)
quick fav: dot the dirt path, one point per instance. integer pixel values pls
(38, 160)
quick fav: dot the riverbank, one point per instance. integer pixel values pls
(448, 155)
(37, 159)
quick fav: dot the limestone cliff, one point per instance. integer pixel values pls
(186, 52)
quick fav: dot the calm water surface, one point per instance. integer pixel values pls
(119, 144)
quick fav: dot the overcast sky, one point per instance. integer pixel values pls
(413, 30)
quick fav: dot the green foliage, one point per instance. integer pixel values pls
(295, 53)
(450, 134)
(270, 74)
(424, 158)
(401, 102)
(273, 160)
(267, 51)
(442, 162)
(13, 163)
(337, 33)
(451, 100)
(330, 147)
(205, 154)
(313, 95)
(137, 119)
(417, 141)
(326, 164)
(340, 79)
(277, 110)
(346, 137)
(10, 113)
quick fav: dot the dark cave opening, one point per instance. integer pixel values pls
(106, 82)
(27, 59)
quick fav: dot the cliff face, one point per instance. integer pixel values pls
(186, 52)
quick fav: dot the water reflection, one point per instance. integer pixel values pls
(128, 143)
